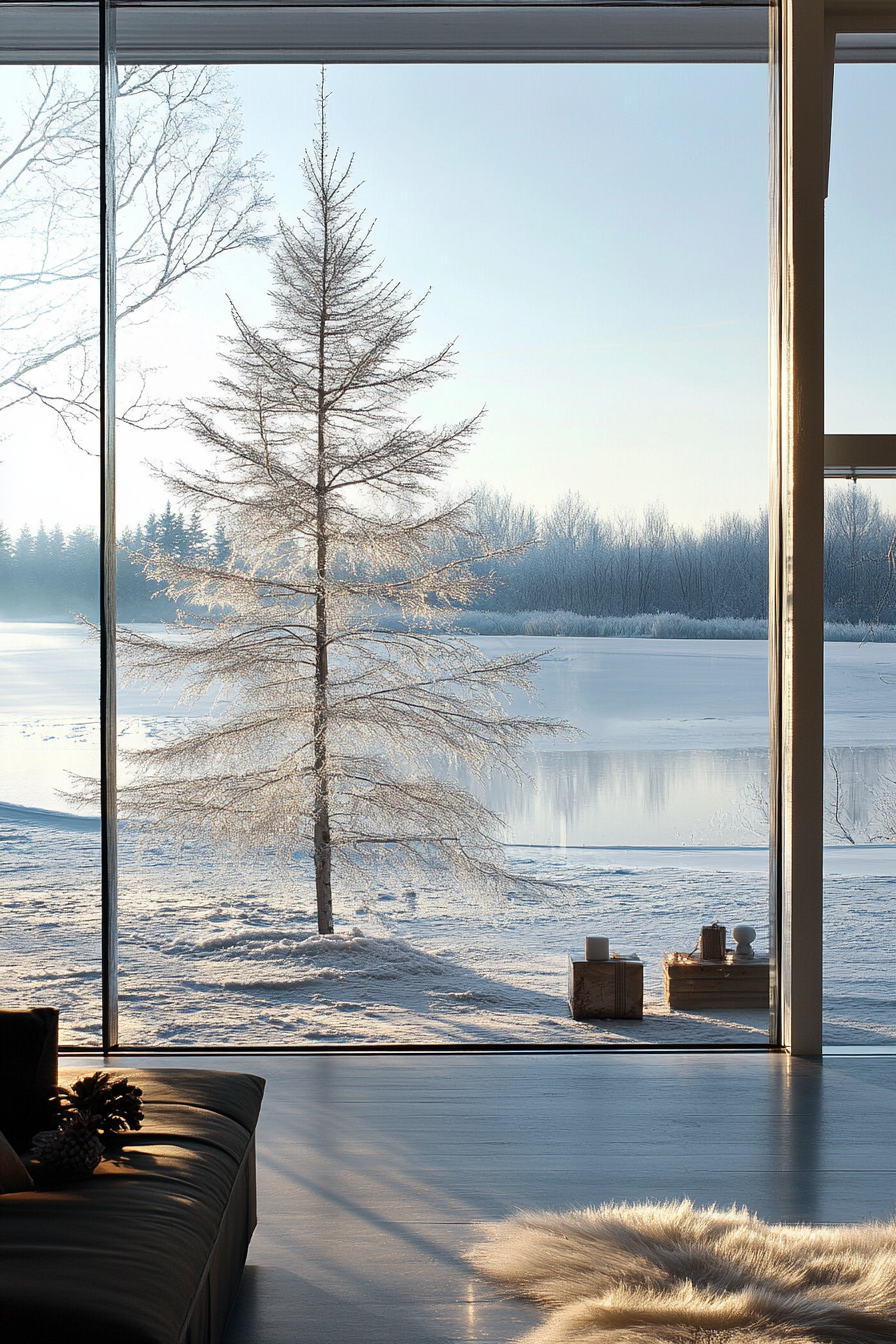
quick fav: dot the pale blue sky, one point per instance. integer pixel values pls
(861, 253)
(596, 239)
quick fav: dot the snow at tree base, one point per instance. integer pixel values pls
(675, 731)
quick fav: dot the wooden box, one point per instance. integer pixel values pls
(612, 988)
(691, 983)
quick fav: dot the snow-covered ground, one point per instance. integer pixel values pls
(653, 818)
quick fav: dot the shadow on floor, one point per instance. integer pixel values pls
(276, 1306)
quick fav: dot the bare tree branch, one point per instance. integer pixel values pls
(185, 197)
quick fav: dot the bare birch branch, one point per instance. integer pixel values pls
(185, 197)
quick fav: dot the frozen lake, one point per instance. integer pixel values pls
(655, 813)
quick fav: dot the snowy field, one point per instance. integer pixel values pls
(652, 817)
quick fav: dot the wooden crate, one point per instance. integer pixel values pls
(606, 989)
(691, 983)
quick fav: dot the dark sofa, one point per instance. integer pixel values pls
(150, 1249)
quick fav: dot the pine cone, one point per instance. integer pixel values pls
(111, 1104)
(71, 1152)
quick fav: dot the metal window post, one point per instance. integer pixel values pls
(108, 709)
(796, 616)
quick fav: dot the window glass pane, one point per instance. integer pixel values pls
(49, 724)
(595, 237)
(860, 586)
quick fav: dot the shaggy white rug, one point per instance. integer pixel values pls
(673, 1274)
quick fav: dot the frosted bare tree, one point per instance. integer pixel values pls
(342, 701)
(185, 196)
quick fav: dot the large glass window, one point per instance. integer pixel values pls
(595, 239)
(860, 581)
(49, 547)
(589, 242)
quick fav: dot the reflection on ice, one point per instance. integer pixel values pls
(636, 798)
(681, 798)
(673, 755)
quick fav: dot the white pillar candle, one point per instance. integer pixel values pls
(597, 949)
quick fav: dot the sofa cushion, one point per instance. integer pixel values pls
(119, 1256)
(13, 1176)
(235, 1095)
(27, 1072)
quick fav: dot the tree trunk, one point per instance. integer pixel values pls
(322, 858)
(322, 847)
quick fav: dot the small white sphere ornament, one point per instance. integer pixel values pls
(743, 935)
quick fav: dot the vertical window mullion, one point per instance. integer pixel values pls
(108, 707)
(775, 531)
(799, 648)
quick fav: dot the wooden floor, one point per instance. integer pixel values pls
(374, 1169)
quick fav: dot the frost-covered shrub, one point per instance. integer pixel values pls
(654, 625)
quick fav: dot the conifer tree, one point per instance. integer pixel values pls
(194, 535)
(220, 544)
(343, 702)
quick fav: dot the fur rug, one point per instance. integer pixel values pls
(673, 1274)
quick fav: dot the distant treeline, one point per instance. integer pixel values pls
(583, 565)
(627, 566)
(49, 576)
